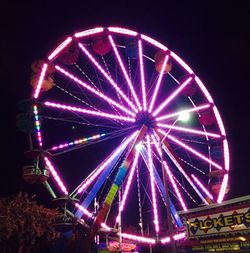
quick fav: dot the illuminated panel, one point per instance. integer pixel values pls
(150, 160)
(169, 173)
(40, 81)
(85, 211)
(158, 83)
(179, 236)
(125, 72)
(138, 238)
(154, 42)
(38, 127)
(203, 188)
(91, 89)
(172, 96)
(88, 32)
(182, 63)
(102, 167)
(143, 85)
(189, 130)
(88, 112)
(105, 74)
(78, 141)
(55, 176)
(122, 31)
(59, 48)
(223, 189)
(175, 114)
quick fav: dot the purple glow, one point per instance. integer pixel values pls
(154, 42)
(38, 126)
(93, 90)
(89, 32)
(170, 175)
(158, 83)
(219, 120)
(189, 130)
(191, 149)
(223, 189)
(172, 96)
(40, 81)
(105, 74)
(122, 31)
(59, 48)
(88, 112)
(203, 188)
(181, 62)
(196, 109)
(138, 238)
(106, 162)
(150, 160)
(143, 85)
(55, 176)
(125, 72)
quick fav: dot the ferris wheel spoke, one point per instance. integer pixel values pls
(158, 83)
(192, 150)
(172, 96)
(107, 76)
(142, 74)
(93, 90)
(124, 71)
(189, 130)
(88, 112)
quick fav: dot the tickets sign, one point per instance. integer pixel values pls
(229, 221)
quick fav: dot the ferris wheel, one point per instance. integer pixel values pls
(124, 125)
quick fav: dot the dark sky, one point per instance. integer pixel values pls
(214, 39)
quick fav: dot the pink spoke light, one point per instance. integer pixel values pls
(172, 96)
(154, 42)
(40, 80)
(143, 85)
(38, 126)
(141, 239)
(88, 112)
(93, 90)
(182, 63)
(106, 162)
(170, 175)
(124, 72)
(122, 31)
(188, 130)
(85, 211)
(59, 48)
(223, 189)
(165, 240)
(158, 83)
(203, 188)
(150, 161)
(195, 152)
(105, 74)
(226, 154)
(78, 141)
(55, 176)
(89, 32)
(176, 114)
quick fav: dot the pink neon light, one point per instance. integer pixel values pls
(203, 188)
(170, 175)
(158, 83)
(154, 42)
(181, 62)
(157, 145)
(91, 89)
(56, 176)
(172, 96)
(125, 72)
(219, 120)
(40, 81)
(131, 174)
(138, 238)
(106, 162)
(88, 32)
(85, 211)
(104, 73)
(179, 236)
(165, 240)
(150, 160)
(59, 48)
(204, 90)
(191, 149)
(226, 154)
(89, 112)
(143, 85)
(223, 189)
(122, 31)
(188, 130)
(196, 109)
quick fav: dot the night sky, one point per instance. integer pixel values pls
(213, 39)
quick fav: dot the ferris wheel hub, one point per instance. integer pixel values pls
(145, 118)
